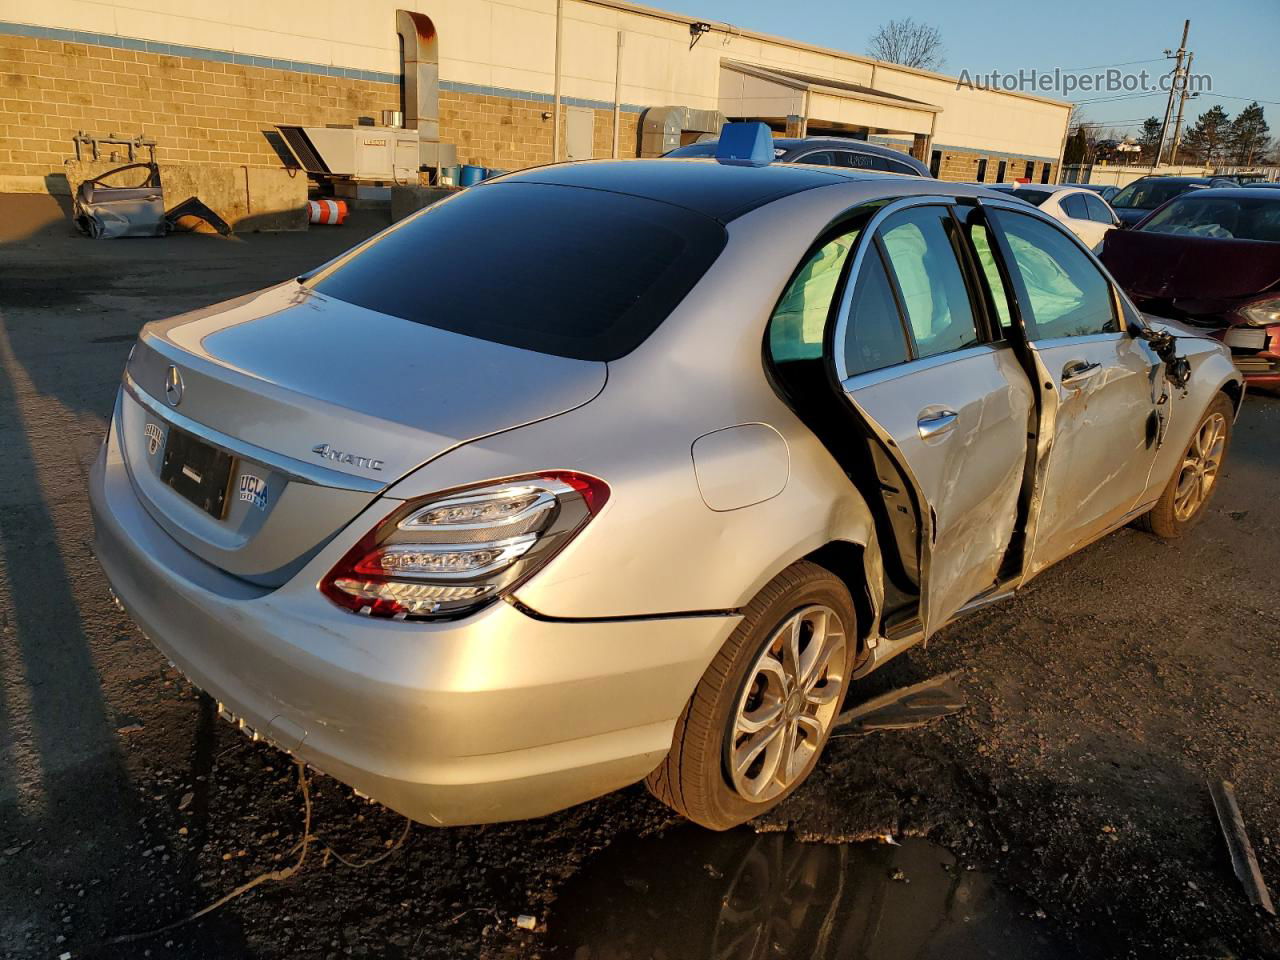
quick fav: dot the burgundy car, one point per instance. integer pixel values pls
(1210, 258)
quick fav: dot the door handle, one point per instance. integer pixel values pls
(936, 424)
(1078, 371)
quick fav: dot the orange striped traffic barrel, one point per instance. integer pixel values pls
(328, 211)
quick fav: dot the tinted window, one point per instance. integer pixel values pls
(1207, 215)
(1149, 192)
(894, 166)
(1066, 295)
(822, 157)
(874, 337)
(578, 273)
(920, 247)
(798, 323)
(1073, 206)
(1032, 196)
(1098, 210)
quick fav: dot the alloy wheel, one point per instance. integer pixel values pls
(788, 703)
(1200, 467)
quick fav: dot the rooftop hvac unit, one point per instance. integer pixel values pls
(365, 153)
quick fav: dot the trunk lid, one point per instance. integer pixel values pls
(322, 405)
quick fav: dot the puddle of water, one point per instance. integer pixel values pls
(745, 896)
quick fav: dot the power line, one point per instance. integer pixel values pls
(1104, 66)
(1126, 96)
(1227, 96)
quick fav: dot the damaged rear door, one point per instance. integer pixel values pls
(930, 375)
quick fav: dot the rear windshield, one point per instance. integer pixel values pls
(1226, 218)
(569, 271)
(1036, 197)
(1149, 194)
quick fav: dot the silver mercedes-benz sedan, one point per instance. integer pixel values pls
(620, 470)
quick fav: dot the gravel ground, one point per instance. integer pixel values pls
(1102, 701)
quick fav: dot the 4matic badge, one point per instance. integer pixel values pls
(339, 456)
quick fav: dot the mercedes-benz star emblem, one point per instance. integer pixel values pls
(173, 386)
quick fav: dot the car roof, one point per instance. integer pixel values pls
(720, 191)
(1224, 192)
(1164, 179)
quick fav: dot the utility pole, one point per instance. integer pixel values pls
(1182, 102)
(1173, 88)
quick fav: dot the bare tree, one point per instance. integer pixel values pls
(908, 43)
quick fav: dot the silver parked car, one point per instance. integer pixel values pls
(486, 519)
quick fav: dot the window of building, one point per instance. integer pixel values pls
(935, 163)
(1066, 295)
(920, 247)
(1044, 172)
(982, 171)
(1000, 172)
(1029, 171)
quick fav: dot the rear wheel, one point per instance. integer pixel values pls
(1183, 502)
(758, 721)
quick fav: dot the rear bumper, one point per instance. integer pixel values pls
(496, 717)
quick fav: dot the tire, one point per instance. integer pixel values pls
(1170, 519)
(751, 679)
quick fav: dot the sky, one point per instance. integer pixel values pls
(1234, 42)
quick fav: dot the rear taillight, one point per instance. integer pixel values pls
(446, 554)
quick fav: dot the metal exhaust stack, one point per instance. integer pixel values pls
(420, 83)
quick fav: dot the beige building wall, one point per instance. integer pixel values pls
(497, 61)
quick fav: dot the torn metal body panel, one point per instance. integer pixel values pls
(133, 208)
(971, 482)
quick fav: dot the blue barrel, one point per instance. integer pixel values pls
(470, 175)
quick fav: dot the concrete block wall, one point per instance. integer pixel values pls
(962, 166)
(210, 112)
(509, 133)
(197, 110)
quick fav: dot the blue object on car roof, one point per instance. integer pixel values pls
(745, 145)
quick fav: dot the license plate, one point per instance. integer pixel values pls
(198, 471)
(1246, 339)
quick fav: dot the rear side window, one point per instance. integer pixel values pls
(578, 273)
(875, 337)
(1073, 206)
(920, 245)
(1066, 295)
(798, 323)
